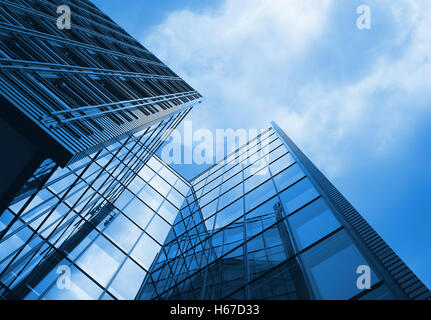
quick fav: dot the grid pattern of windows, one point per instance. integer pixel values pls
(84, 86)
(97, 105)
(103, 217)
(126, 226)
(254, 227)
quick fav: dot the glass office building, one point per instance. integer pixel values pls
(52, 226)
(87, 211)
(264, 223)
(68, 93)
(107, 247)
(82, 111)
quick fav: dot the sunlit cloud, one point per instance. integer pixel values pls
(336, 90)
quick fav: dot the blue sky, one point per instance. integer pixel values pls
(356, 101)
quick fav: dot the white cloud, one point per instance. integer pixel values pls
(247, 57)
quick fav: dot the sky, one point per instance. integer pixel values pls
(357, 102)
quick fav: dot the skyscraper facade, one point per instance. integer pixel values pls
(82, 111)
(265, 223)
(66, 93)
(95, 217)
(88, 211)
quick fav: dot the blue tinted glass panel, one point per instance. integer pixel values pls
(150, 197)
(231, 170)
(231, 182)
(276, 153)
(124, 199)
(82, 288)
(298, 195)
(139, 212)
(176, 198)
(123, 232)
(264, 211)
(101, 260)
(182, 187)
(128, 281)
(229, 214)
(288, 177)
(209, 209)
(168, 176)
(281, 164)
(168, 212)
(160, 185)
(208, 197)
(312, 223)
(145, 251)
(158, 229)
(230, 196)
(146, 173)
(255, 177)
(259, 195)
(380, 293)
(332, 266)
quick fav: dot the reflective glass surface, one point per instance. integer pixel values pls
(251, 227)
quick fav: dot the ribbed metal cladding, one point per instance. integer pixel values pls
(407, 281)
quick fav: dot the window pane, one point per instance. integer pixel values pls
(256, 177)
(259, 195)
(231, 182)
(208, 197)
(128, 281)
(229, 214)
(168, 176)
(123, 199)
(298, 195)
(101, 260)
(288, 177)
(123, 232)
(285, 282)
(160, 185)
(211, 185)
(81, 288)
(168, 211)
(146, 173)
(281, 164)
(154, 164)
(136, 185)
(332, 265)
(230, 196)
(151, 197)
(231, 170)
(182, 187)
(176, 198)
(145, 251)
(312, 223)
(158, 229)
(380, 293)
(276, 153)
(209, 209)
(139, 212)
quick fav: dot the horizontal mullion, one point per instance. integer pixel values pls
(63, 68)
